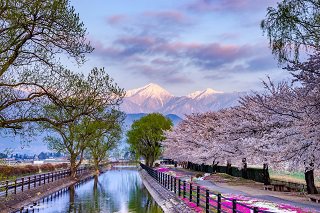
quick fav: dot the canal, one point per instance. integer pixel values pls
(117, 190)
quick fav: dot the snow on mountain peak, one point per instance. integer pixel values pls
(153, 98)
(150, 90)
(202, 94)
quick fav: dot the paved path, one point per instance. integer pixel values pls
(211, 186)
(276, 197)
(167, 200)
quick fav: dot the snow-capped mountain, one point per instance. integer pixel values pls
(150, 98)
(153, 98)
(203, 94)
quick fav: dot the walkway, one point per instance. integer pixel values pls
(280, 198)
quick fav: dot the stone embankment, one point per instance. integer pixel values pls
(14, 202)
(167, 200)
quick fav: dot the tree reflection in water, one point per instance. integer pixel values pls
(114, 191)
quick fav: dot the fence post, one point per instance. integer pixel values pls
(39, 180)
(171, 178)
(162, 182)
(207, 201)
(219, 203)
(198, 195)
(7, 188)
(165, 180)
(29, 180)
(22, 183)
(234, 206)
(179, 189)
(44, 179)
(35, 181)
(184, 189)
(52, 176)
(175, 185)
(162, 179)
(190, 192)
(15, 186)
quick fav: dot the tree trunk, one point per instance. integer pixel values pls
(229, 169)
(96, 166)
(95, 185)
(244, 170)
(309, 177)
(146, 160)
(266, 175)
(73, 167)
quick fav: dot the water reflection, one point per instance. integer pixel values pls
(114, 191)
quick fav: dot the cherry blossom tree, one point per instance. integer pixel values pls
(278, 127)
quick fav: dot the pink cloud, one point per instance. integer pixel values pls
(116, 19)
(170, 16)
(161, 73)
(162, 52)
(141, 40)
(163, 62)
(228, 5)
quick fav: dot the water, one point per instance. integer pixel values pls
(114, 191)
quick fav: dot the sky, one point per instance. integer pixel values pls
(183, 45)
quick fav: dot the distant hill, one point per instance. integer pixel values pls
(133, 117)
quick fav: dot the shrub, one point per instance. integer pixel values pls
(61, 166)
(47, 167)
(198, 175)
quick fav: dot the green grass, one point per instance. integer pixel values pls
(294, 177)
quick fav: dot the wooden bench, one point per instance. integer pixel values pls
(278, 187)
(314, 197)
(268, 187)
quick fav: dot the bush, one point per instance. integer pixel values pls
(198, 175)
(32, 169)
(61, 166)
(14, 171)
(47, 167)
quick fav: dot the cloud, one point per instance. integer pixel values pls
(116, 19)
(168, 17)
(203, 56)
(217, 76)
(262, 63)
(164, 62)
(164, 74)
(228, 5)
(228, 36)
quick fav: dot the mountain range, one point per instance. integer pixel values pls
(154, 98)
(144, 100)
